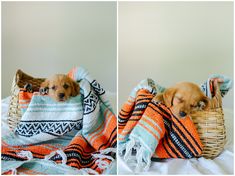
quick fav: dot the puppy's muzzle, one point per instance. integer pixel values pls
(61, 95)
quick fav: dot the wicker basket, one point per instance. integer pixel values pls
(19, 80)
(210, 123)
(211, 128)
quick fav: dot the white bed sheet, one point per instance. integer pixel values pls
(223, 164)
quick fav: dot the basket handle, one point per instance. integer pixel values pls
(21, 75)
(216, 101)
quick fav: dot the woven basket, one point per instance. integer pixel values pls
(211, 128)
(19, 80)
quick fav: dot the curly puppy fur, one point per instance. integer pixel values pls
(60, 87)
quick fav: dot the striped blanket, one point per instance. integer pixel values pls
(148, 129)
(74, 137)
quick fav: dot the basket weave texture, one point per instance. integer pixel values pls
(211, 128)
(19, 81)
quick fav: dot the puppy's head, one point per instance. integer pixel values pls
(183, 98)
(61, 87)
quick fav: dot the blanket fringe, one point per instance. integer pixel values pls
(100, 159)
(60, 152)
(108, 150)
(121, 148)
(23, 154)
(86, 171)
(101, 156)
(129, 146)
(142, 157)
(26, 154)
(13, 171)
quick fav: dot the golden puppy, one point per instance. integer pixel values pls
(60, 87)
(183, 98)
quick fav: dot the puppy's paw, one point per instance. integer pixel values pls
(28, 87)
(204, 105)
(43, 90)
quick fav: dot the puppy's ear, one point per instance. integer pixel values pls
(158, 97)
(168, 96)
(204, 103)
(45, 84)
(75, 88)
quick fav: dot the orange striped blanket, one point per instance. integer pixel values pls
(90, 150)
(150, 130)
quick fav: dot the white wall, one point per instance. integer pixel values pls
(174, 41)
(44, 38)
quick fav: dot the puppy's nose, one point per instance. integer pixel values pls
(61, 95)
(182, 113)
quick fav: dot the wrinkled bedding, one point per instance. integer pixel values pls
(223, 164)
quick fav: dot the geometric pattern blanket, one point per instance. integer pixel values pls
(74, 137)
(148, 129)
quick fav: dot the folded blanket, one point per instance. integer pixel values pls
(208, 88)
(148, 129)
(78, 135)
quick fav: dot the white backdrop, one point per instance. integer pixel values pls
(44, 38)
(174, 41)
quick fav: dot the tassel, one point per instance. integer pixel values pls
(143, 159)
(101, 156)
(108, 150)
(26, 154)
(86, 171)
(14, 171)
(129, 146)
(61, 153)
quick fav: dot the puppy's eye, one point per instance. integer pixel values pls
(53, 87)
(66, 86)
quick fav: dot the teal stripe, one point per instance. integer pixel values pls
(55, 105)
(54, 111)
(103, 107)
(145, 136)
(151, 128)
(69, 107)
(100, 121)
(45, 99)
(124, 137)
(54, 108)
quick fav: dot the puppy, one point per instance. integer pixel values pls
(183, 98)
(60, 87)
